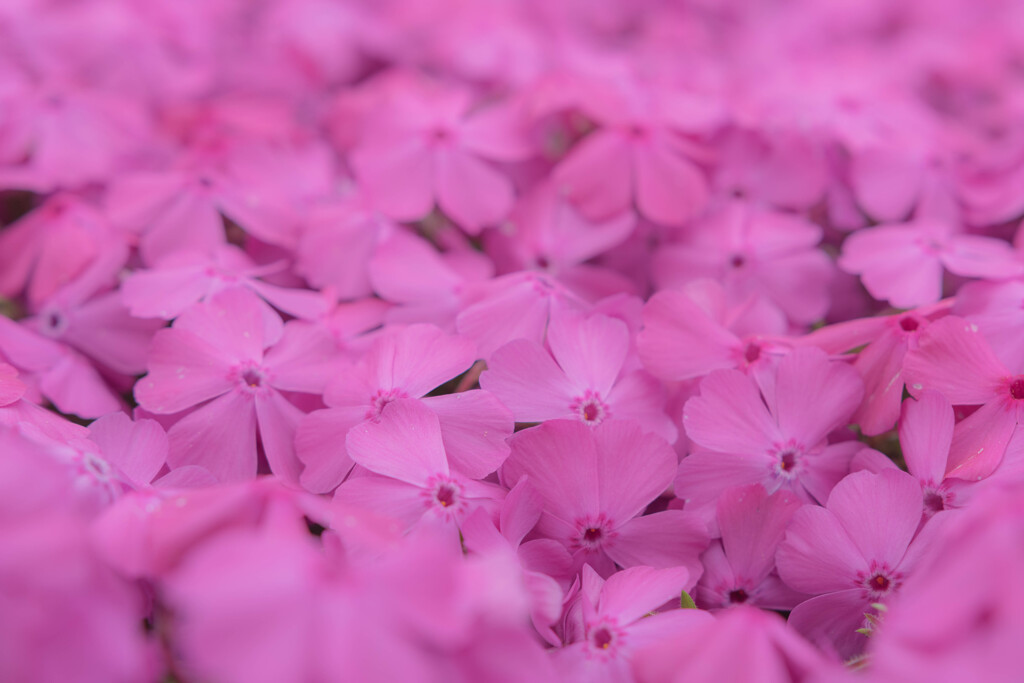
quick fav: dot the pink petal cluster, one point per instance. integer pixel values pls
(433, 340)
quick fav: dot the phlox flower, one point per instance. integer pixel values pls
(611, 621)
(584, 377)
(409, 474)
(776, 434)
(595, 483)
(954, 359)
(404, 363)
(752, 250)
(769, 652)
(926, 434)
(689, 333)
(230, 361)
(903, 263)
(882, 343)
(739, 568)
(640, 155)
(959, 614)
(854, 552)
(182, 278)
(430, 146)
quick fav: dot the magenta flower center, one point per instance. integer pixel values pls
(880, 582)
(593, 534)
(1017, 388)
(53, 323)
(602, 638)
(934, 502)
(446, 495)
(590, 408)
(752, 352)
(250, 377)
(737, 261)
(909, 324)
(738, 596)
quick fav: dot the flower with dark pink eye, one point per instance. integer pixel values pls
(1017, 388)
(592, 534)
(786, 460)
(590, 408)
(250, 377)
(380, 399)
(879, 582)
(604, 639)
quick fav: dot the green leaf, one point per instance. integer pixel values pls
(686, 602)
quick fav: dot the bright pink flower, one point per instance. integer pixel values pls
(885, 342)
(954, 359)
(751, 250)
(258, 187)
(596, 483)
(65, 612)
(689, 333)
(337, 244)
(995, 307)
(584, 377)
(405, 363)
(62, 241)
(640, 155)
(60, 135)
(182, 278)
(411, 476)
(741, 644)
(231, 361)
(544, 231)
(427, 147)
(852, 553)
(959, 614)
(903, 264)
(539, 558)
(740, 567)
(613, 622)
(775, 435)
(518, 305)
(926, 434)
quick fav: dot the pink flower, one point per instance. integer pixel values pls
(596, 483)
(739, 568)
(612, 625)
(754, 251)
(640, 155)
(405, 363)
(853, 553)
(741, 644)
(885, 342)
(903, 264)
(429, 148)
(182, 278)
(585, 377)
(958, 615)
(953, 359)
(774, 435)
(689, 333)
(405, 448)
(229, 360)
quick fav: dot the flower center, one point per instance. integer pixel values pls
(934, 502)
(593, 534)
(737, 261)
(446, 495)
(602, 638)
(752, 352)
(738, 596)
(250, 377)
(53, 323)
(909, 324)
(590, 408)
(381, 399)
(880, 582)
(1017, 388)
